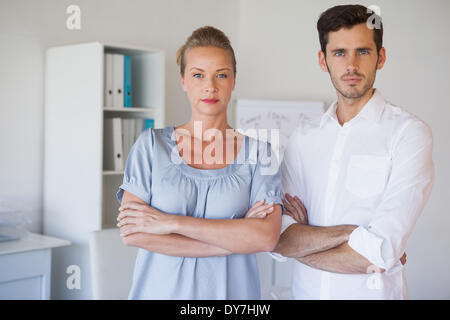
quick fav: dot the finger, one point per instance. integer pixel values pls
(287, 205)
(263, 214)
(129, 213)
(129, 229)
(300, 203)
(259, 209)
(293, 202)
(128, 220)
(403, 259)
(132, 205)
(258, 203)
(292, 210)
(296, 205)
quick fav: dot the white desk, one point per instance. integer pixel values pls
(25, 266)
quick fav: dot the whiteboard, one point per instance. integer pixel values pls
(265, 115)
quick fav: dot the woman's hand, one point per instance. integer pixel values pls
(259, 210)
(294, 207)
(136, 217)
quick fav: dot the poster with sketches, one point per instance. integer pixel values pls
(265, 115)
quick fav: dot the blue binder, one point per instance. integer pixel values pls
(127, 97)
(149, 123)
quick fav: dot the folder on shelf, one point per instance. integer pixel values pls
(112, 145)
(118, 77)
(127, 96)
(108, 92)
(149, 123)
(139, 127)
(128, 128)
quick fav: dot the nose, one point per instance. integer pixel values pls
(210, 85)
(352, 65)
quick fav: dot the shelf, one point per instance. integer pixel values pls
(111, 109)
(112, 173)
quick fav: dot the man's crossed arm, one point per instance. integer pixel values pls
(324, 248)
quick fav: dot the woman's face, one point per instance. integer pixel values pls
(208, 79)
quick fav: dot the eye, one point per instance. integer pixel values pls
(222, 75)
(197, 75)
(363, 52)
(339, 53)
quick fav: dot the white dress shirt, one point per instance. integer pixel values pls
(376, 171)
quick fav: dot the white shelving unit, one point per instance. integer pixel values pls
(79, 196)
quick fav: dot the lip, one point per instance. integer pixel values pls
(353, 80)
(210, 101)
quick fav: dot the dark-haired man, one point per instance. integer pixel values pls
(360, 175)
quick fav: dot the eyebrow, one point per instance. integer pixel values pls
(222, 69)
(357, 49)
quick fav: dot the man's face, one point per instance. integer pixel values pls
(352, 60)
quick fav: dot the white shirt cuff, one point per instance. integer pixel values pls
(286, 221)
(368, 245)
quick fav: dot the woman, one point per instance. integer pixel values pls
(199, 209)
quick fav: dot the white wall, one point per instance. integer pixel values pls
(28, 27)
(276, 46)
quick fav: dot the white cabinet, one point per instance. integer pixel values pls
(25, 267)
(79, 195)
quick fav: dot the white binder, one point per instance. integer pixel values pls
(127, 137)
(112, 146)
(108, 94)
(118, 80)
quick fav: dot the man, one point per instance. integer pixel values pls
(363, 171)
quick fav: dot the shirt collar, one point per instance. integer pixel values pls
(372, 110)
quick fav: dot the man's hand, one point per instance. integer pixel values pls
(294, 207)
(403, 259)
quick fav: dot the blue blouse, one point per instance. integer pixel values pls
(156, 173)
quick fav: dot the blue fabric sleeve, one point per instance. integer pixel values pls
(266, 182)
(137, 177)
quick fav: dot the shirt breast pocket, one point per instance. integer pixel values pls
(367, 175)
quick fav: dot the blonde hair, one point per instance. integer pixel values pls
(206, 36)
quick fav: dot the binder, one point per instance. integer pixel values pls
(112, 146)
(139, 127)
(127, 97)
(128, 128)
(118, 77)
(108, 94)
(149, 123)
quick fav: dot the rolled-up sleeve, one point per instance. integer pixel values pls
(138, 169)
(291, 183)
(291, 180)
(383, 240)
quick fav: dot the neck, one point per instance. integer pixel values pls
(198, 125)
(348, 108)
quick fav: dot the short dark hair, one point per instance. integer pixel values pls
(346, 16)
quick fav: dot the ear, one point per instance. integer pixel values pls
(182, 82)
(322, 61)
(381, 58)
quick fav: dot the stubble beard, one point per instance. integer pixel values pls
(353, 92)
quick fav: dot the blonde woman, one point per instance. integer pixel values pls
(196, 199)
